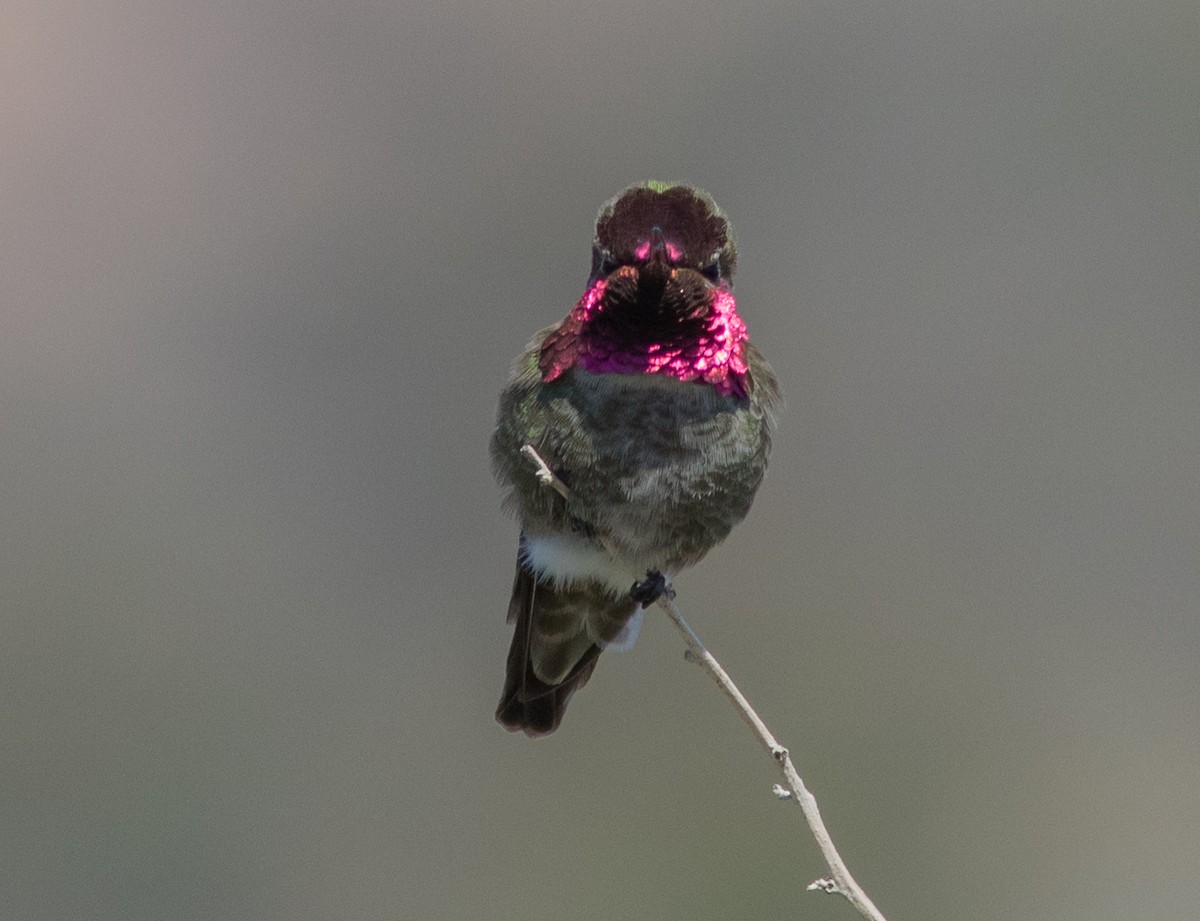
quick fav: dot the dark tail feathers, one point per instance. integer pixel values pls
(551, 630)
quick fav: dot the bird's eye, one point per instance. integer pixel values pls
(602, 262)
(712, 271)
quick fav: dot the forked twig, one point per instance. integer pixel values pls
(839, 881)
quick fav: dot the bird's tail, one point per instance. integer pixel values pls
(560, 632)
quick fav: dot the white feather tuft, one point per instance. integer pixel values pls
(623, 641)
(566, 558)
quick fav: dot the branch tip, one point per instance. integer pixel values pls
(825, 885)
(542, 471)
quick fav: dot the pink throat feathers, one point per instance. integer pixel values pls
(714, 354)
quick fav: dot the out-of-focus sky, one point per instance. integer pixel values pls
(263, 268)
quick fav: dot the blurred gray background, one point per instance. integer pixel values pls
(263, 268)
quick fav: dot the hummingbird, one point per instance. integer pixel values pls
(652, 407)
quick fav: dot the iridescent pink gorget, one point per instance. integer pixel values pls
(714, 354)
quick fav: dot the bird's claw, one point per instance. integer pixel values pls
(650, 589)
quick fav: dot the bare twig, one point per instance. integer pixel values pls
(545, 475)
(839, 881)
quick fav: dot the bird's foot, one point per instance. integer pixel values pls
(650, 589)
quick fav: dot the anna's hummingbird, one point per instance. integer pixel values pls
(649, 402)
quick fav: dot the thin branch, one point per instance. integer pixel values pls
(545, 475)
(839, 881)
